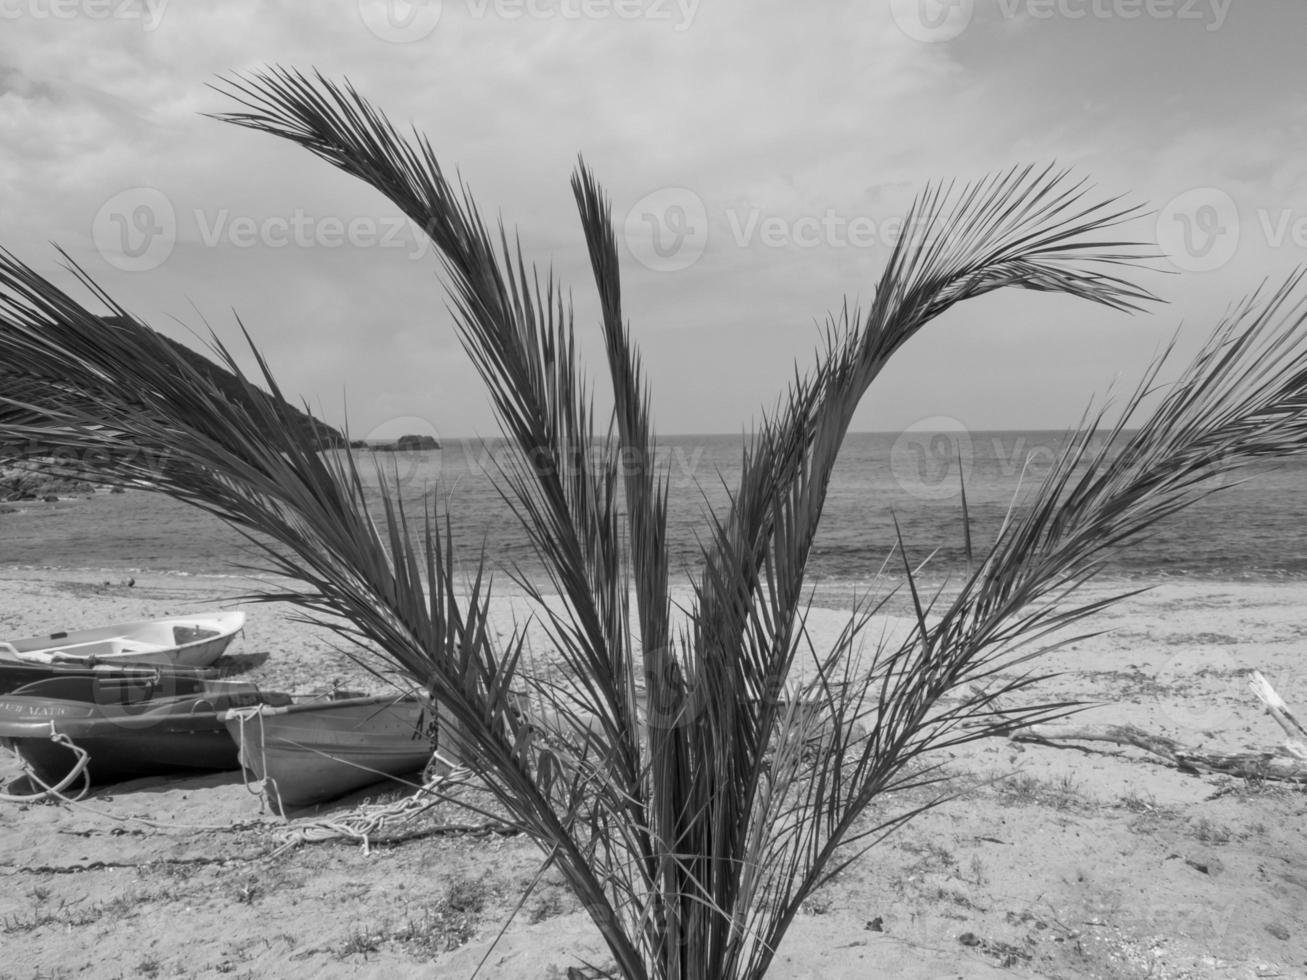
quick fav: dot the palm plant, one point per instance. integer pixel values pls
(669, 768)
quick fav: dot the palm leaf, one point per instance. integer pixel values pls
(694, 782)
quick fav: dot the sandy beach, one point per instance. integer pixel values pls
(1099, 861)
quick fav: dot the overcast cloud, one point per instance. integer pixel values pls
(758, 155)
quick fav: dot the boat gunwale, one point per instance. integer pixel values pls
(301, 707)
(33, 714)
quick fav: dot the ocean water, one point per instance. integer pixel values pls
(1256, 528)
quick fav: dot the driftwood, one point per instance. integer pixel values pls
(1286, 762)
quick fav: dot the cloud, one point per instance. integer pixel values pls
(802, 133)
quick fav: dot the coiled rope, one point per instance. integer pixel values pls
(56, 791)
(364, 821)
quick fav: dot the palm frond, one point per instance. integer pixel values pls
(694, 780)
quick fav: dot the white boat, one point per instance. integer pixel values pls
(188, 641)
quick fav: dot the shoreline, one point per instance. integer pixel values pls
(39, 599)
(1111, 576)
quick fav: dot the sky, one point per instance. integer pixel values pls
(758, 155)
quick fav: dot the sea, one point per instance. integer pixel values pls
(885, 486)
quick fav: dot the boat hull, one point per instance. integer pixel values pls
(116, 759)
(190, 641)
(313, 752)
(16, 673)
(129, 726)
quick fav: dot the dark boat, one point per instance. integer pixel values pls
(129, 726)
(313, 751)
(16, 673)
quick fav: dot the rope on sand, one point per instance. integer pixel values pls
(56, 791)
(364, 821)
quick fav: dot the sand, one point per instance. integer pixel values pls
(1054, 862)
